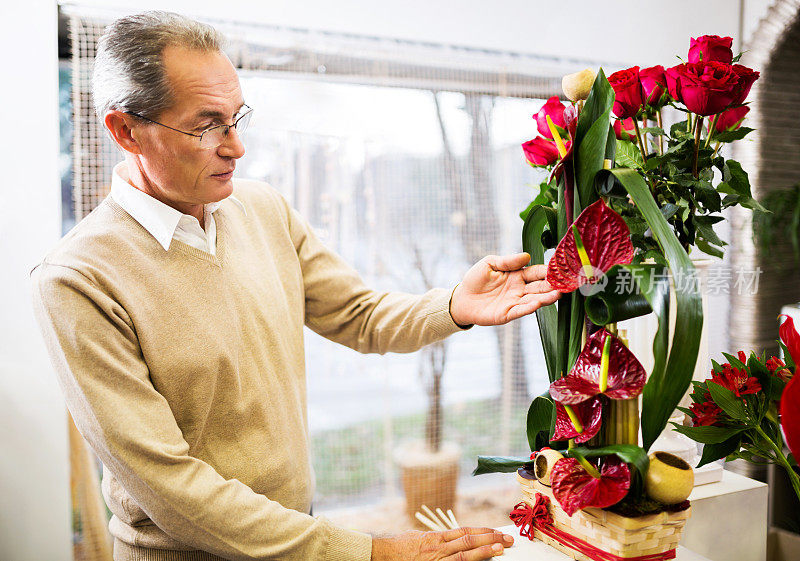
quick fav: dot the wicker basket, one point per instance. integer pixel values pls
(619, 535)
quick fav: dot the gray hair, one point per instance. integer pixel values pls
(129, 72)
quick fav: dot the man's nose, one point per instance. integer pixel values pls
(232, 147)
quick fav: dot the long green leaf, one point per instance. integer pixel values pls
(591, 153)
(539, 218)
(500, 464)
(665, 388)
(600, 100)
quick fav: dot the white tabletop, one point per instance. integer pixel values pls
(526, 550)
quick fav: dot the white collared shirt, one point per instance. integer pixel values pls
(161, 220)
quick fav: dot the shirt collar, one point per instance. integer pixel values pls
(156, 217)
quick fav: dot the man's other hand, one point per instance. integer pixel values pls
(497, 290)
(461, 544)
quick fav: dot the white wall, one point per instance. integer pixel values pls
(34, 491)
(34, 483)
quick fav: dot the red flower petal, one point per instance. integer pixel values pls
(589, 414)
(575, 488)
(790, 338)
(607, 241)
(626, 375)
(790, 399)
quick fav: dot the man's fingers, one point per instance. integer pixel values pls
(534, 273)
(455, 533)
(529, 303)
(508, 262)
(478, 554)
(473, 541)
(538, 287)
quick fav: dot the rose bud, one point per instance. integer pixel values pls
(654, 84)
(711, 48)
(672, 76)
(747, 76)
(629, 96)
(540, 151)
(578, 85)
(731, 119)
(555, 109)
(625, 129)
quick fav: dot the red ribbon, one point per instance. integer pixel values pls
(527, 518)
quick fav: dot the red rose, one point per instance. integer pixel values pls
(705, 89)
(705, 414)
(711, 47)
(747, 76)
(555, 109)
(731, 119)
(628, 92)
(624, 129)
(540, 151)
(654, 84)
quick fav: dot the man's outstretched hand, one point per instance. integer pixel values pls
(461, 544)
(497, 290)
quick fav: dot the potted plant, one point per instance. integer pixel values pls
(625, 204)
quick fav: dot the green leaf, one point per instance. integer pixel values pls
(628, 453)
(673, 369)
(705, 228)
(658, 131)
(628, 154)
(707, 248)
(538, 219)
(590, 155)
(599, 101)
(728, 402)
(708, 435)
(715, 451)
(730, 136)
(500, 464)
(539, 415)
(623, 296)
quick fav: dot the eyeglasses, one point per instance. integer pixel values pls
(212, 137)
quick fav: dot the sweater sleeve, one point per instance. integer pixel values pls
(106, 384)
(341, 308)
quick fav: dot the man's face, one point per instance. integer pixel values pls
(173, 166)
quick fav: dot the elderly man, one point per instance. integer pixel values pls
(174, 316)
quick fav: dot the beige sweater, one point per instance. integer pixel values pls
(185, 372)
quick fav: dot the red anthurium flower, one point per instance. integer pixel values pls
(705, 414)
(603, 241)
(790, 399)
(586, 416)
(605, 366)
(555, 110)
(711, 47)
(575, 488)
(736, 379)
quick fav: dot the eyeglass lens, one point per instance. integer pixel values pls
(212, 138)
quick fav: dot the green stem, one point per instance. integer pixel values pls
(697, 130)
(639, 139)
(712, 130)
(793, 477)
(716, 149)
(661, 136)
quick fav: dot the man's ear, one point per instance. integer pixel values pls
(121, 126)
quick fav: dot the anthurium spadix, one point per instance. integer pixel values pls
(605, 366)
(580, 421)
(595, 242)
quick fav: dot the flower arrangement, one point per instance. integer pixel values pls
(739, 411)
(627, 199)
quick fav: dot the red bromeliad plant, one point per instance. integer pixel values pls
(615, 199)
(740, 410)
